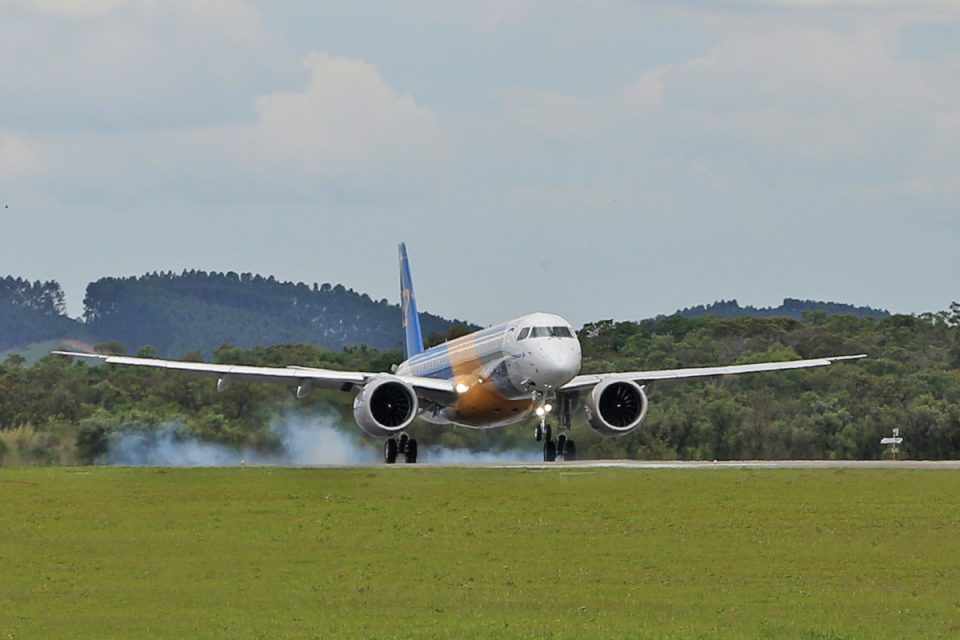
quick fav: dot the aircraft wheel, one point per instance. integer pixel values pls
(402, 443)
(411, 451)
(549, 451)
(547, 432)
(570, 451)
(538, 433)
(390, 451)
(562, 445)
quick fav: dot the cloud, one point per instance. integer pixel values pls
(231, 13)
(848, 4)
(70, 8)
(704, 135)
(344, 135)
(20, 157)
(133, 64)
(551, 114)
(819, 5)
(816, 100)
(346, 119)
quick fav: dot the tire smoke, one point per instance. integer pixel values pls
(304, 441)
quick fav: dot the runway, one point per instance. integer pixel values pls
(941, 465)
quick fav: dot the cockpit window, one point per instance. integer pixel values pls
(560, 332)
(546, 332)
(523, 333)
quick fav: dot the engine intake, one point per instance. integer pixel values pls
(385, 406)
(617, 407)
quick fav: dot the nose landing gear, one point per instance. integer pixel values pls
(543, 431)
(562, 449)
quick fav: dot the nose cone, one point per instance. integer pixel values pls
(561, 362)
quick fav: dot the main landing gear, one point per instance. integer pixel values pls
(404, 445)
(562, 449)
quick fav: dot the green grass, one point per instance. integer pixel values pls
(452, 553)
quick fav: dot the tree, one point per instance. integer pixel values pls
(15, 361)
(92, 443)
(112, 348)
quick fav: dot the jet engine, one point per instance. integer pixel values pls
(616, 407)
(385, 407)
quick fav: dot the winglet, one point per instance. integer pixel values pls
(412, 335)
(845, 358)
(80, 354)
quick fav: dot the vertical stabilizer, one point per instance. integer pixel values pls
(412, 336)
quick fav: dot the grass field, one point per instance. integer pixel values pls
(453, 553)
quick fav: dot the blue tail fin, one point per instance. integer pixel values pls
(412, 336)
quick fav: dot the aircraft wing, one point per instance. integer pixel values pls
(583, 382)
(319, 378)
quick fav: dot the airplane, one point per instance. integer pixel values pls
(495, 377)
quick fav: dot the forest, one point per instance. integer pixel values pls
(59, 411)
(33, 312)
(200, 311)
(791, 308)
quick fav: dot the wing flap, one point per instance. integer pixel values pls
(589, 380)
(438, 385)
(320, 378)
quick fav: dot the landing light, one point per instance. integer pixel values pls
(541, 412)
(462, 388)
(548, 408)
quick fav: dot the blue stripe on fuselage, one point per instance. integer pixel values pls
(437, 362)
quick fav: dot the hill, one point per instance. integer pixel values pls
(32, 312)
(200, 311)
(197, 311)
(791, 308)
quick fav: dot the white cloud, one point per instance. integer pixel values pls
(847, 4)
(131, 64)
(346, 119)
(551, 114)
(69, 8)
(860, 6)
(346, 135)
(773, 107)
(20, 157)
(237, 19)
(648, 91)
(236, 16)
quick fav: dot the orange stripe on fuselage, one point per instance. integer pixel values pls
(482, 404)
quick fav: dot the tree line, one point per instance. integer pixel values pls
(791, 308)
(62, 411)
(32, 312)
(194, 310)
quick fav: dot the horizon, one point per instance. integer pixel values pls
(79, 316)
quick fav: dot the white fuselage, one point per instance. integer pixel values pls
(502, 372)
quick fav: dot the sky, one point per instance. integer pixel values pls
(603, 159)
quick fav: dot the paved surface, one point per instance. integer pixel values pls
(641, 464)
(762, 464)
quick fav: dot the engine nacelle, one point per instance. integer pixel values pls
(385, 406)
(616, 407)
